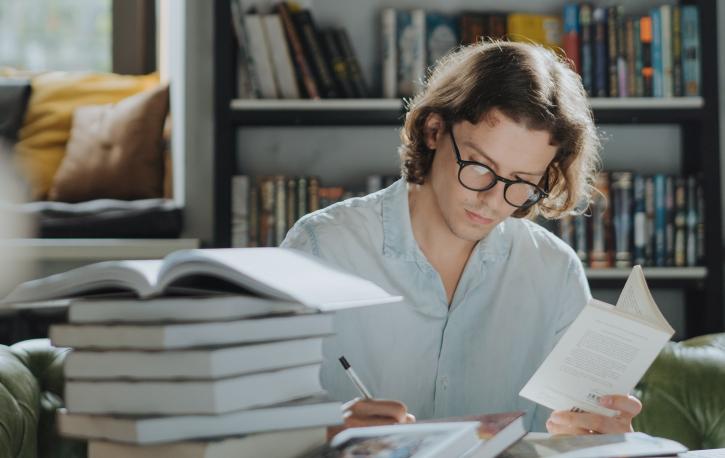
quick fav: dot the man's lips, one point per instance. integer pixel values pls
(476, 218)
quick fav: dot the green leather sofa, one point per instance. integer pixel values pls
(683, 394)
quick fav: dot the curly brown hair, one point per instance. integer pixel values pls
(529, 84)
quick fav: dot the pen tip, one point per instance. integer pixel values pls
(344, 362)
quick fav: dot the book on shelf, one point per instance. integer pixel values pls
(303, 66)
(691, 61)
(586, 69)
(259, 50)
(247, 83)
(306, 413)
(613, 13)
(282, 65)
(196, 363)
(606, 350)
(280, 444)
(441, 36)
(649, 220)
(571, 37)
(540, 445)
(167, 336)
(192, 397)
(309, 36)
(284, 274)
(540, 28)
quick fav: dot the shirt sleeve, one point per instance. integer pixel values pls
(574, 295)
(301, 237)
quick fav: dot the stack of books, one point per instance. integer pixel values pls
(213, 352)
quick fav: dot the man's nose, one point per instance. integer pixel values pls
(494, 197)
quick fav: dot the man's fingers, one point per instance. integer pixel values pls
(629, 406)
(591, 422)
(379, 408)
(356, 421)
(560, 429)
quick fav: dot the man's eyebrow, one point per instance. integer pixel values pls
(483, 154)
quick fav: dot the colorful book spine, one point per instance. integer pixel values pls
(304, 71)
(692, 222)
(571, 40)
(691, 50)
(389, 53)
(638, 59)
(313, 51)
(660, 251)
(630, 56)
(622, 193)
(600, 254)
(666, 31)
(612, 48)
(640, 221)
(622, 52)
(586, 53)
(657, 75)
(599, 18)
(680, 222)
(670, 222)
(645, 24)
(677, 88)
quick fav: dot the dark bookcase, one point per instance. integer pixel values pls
(697, 118)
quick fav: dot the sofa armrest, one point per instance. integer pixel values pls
(683, 393)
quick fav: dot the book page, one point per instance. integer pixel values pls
(280, 273)
(601, 353)
(637, 300)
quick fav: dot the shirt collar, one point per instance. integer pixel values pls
(399, 242)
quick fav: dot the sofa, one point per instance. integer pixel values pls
(683, 393)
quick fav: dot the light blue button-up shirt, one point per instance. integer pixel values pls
(520, 289)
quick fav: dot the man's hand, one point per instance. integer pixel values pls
(563, 422)
(371, 412)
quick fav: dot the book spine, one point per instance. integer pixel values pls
(630, 56)
(389, 53)
(441, 36)
(496, 26)
(700, 224)
(666, 31)
(612, 48)
(240, 211)
(670, 224)
(637, 39)
(419, 54)
(302, 197)
(571, 35)
(266, 212)
(660, 221)
(291, 199)
(587, 58)
(308, 35)
(253, 216)
(247, 83)
(599, 17)
(337, 63)
(405, 40)
(622, 52)
(282, 61)
(353, 64)
(473, 27)
(640, 221)
(691, 248)
(622, 190)
(599, 256)
(280, 209)
(657, 86)
(677, 89)
(298, 52)
(313, 194)
(691, 50)
(260, 54)
(649, 193)
(645, 24)
(680, 222)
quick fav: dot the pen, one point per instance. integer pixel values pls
(354, 378)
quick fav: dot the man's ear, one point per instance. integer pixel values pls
(434, 128)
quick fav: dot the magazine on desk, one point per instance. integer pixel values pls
(277, 273)
(606, 350)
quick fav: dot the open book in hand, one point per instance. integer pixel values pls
(278, 273)
(606, 350)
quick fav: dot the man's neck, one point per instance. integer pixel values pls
(430, 230)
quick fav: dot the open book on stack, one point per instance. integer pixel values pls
(200, 351)
(606, 350)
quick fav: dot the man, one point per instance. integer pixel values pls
(501, 132)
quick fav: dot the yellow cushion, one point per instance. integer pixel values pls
(45, 132)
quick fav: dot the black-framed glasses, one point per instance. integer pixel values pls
(480, 177)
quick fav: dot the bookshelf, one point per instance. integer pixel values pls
(696, 118)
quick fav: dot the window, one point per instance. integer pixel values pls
(56, 34)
